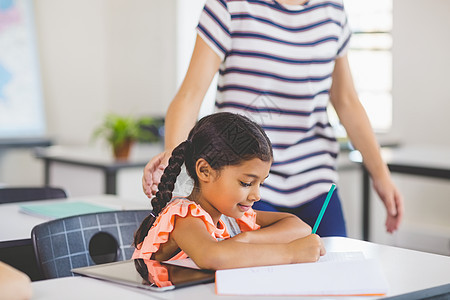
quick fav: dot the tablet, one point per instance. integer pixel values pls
(147, 274)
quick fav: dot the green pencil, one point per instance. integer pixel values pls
(324, 207)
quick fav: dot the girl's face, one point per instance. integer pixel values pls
(234, 189)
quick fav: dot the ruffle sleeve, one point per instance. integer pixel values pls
(157, 274)
(248, 221)
(164, 225)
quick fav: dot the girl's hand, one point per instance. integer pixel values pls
(153, 172)
(307, 249)
(393, 201)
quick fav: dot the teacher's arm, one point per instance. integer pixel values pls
(353, 117)
(183, 110)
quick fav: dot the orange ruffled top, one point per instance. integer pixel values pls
(181, 207)
(157, 274)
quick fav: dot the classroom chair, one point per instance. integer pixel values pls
(85, 240)
(25, 193)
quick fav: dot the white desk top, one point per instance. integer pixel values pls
(405, 271)
(102, 156)
(15, 225)
(428, 156)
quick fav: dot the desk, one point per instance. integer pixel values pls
(101, 159)
(6, 143)
(8, 149)
(429, 161)
(15, 228)
(19, 225)
(405, 271)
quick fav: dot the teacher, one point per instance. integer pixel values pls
(281, 62)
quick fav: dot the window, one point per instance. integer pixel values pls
(370, 60)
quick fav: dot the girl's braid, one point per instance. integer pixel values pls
(167, 184)
(165, 189)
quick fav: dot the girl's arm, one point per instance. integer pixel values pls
(276, 227)
(183, 110)
(354, 118)
(192, 237)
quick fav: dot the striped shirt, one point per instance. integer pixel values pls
(277, 62)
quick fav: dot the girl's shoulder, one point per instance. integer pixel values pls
(182, 207)
(182, 204)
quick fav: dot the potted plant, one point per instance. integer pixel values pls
(122, 132)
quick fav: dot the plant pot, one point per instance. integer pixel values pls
(122, 151)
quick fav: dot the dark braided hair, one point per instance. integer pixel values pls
(221, 139)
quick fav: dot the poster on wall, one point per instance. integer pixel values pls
(21, 104)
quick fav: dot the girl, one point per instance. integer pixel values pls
(228, 157)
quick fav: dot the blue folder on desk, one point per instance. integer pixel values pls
(62, 209)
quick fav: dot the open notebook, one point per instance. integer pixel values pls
(333, 276)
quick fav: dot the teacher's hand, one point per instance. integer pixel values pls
(153, 172)
(393, 201)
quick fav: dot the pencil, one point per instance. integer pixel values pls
(324, 207)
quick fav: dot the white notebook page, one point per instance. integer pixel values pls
(348, 277)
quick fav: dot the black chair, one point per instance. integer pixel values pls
(19, 194)
(84, 240)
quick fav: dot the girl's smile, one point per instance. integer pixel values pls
(243, 207)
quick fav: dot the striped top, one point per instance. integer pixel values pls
(277, 62)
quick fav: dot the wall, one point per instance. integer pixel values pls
(72, 41)
(104, 55)
(96, 57)
(421, 96)
(420, 89)
(141, 39)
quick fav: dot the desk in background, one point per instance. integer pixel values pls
(405, 270)
(26, 144)
(428, 161)
(15, 228)
(8, 143)
(101, 159)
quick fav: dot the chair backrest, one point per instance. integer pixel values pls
(19, 194)
(84, 240)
